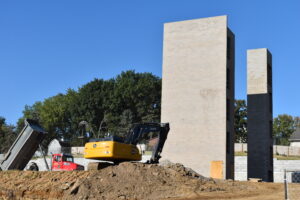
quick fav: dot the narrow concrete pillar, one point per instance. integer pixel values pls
(260, 114)
(198, 95)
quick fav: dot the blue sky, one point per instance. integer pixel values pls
(47, 47)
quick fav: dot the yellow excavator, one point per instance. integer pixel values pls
(149, 137)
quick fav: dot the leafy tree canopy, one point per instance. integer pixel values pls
(283, 127)
(108, 106)
(240, 121)
(7, 135)
(112, 106)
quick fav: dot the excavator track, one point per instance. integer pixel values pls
(98, 165)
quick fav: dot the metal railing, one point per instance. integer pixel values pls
(292, 184)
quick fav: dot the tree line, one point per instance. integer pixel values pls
(283, 125)
(7, 135)
(112, 106)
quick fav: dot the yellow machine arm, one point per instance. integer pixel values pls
(116, 149)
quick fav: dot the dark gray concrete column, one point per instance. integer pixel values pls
(260, 114)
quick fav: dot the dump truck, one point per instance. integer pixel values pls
(113, 150)
(64, 162)
(58, 162)
(24, 147)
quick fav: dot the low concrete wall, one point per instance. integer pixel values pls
(295, 144)
(240, 147)
(279, 167)
(77, 150)
(286, 150)
(277, 149)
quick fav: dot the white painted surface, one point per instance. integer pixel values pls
(54, 147)
(295, 144)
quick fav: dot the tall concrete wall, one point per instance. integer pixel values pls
(198, 93)
(260, 114)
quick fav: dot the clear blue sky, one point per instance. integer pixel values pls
(47, 47)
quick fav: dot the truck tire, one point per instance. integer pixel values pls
(33, 167)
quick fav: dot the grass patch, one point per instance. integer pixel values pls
(78, 156)
(240, 153)
(147, 153)
(283, 157)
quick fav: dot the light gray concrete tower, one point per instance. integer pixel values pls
(198, 94)
(260, 114)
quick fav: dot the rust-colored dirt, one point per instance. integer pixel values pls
(130, 181)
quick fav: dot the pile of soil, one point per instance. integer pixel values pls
(123, 181)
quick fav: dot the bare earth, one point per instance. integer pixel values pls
(131, 181)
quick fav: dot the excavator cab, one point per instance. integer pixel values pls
(64, 162)
(151, 136)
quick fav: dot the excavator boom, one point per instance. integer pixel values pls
(139, 130)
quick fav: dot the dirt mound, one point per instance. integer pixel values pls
(124, 181)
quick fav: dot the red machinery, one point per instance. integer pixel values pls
(64, 162)
(59, 162)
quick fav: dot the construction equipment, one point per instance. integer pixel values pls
(64, 162)
(115, 149)
(59, 162)
(24, 147)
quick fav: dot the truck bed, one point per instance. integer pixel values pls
(23, 147)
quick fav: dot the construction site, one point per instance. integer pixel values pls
(132, 181)
(187, 153)
(118, 179)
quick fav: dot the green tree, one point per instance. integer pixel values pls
(113, 104)
(297, 122)
(240, 120)
(125, 122)
(54, 117)
(140, 93)
(93, 101)
(29, 112)
(7, 135)
(283, 127)
(2, 123)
